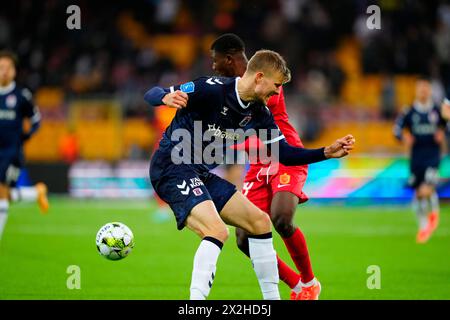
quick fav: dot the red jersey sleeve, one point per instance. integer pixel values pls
(277, 106)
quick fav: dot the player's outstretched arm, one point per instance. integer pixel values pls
(157, 96)
(294, 156)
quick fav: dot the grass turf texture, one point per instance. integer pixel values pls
(36, 250)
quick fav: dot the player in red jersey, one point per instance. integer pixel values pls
(274, 188)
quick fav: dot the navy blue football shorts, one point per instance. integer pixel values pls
(428, 175)
(10, 165)
(182, 186)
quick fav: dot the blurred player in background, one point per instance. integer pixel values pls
(276, 192)
(424, 137)
(16, 112)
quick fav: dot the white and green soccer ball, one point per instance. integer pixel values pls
(114, 241)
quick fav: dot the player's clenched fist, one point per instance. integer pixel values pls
(177, 99)
(341, 147)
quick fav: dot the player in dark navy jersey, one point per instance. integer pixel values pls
(425, 134)
(275, 192)
(16, 108)
(215, 113)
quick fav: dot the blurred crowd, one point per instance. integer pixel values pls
(116, 52)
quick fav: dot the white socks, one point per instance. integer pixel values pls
(24, 193)
(434, 202)
(420, 206)
(298, 287)
(3, 214)
(264, 261)
(204, 271)
(310, 283)
(423, 207)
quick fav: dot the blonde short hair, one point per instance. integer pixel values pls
(269, 61)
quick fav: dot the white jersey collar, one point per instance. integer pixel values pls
(7, 89)
(423, 107)
(237, 95)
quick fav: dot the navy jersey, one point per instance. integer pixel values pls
(215, 118)
(15, 105)
(423, 125)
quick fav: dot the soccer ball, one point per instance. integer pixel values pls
(114, 241)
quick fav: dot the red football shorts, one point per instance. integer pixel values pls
(262, 183)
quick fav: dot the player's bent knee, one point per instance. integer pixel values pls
(221, 233)
(429, 191)
(260, 224)
(216, 229)
(424, 191)
(419, 193)
(282, 216)
(283, 225)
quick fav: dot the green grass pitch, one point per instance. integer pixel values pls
(36, 251)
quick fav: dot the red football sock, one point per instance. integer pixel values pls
(296, 245)
(287, 275)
